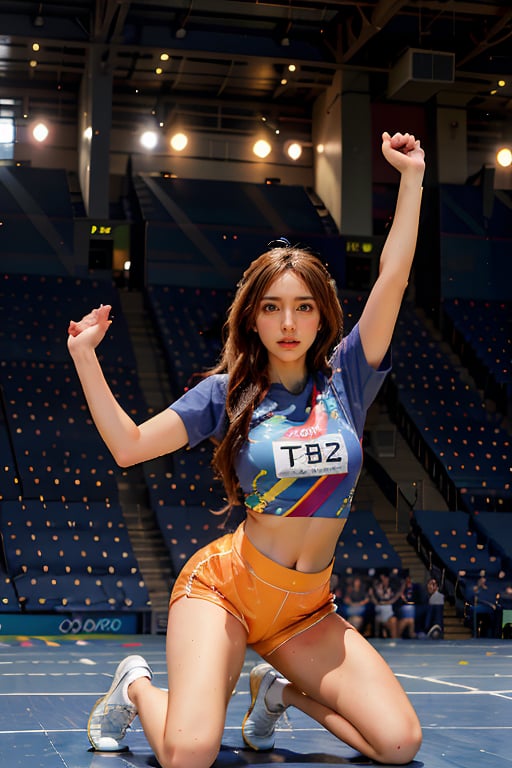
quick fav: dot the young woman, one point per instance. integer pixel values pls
(287, 415)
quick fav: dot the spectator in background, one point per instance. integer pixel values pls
(484, 609)
(406, 609)
(384, 597)
(337, 591)
(355, 603)
(434, 623)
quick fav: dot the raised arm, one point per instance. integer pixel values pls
(128, 442)
(377, 322)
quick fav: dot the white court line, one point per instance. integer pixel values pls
(437, 681)
(318, 729)
(466, 689)
(51, 693)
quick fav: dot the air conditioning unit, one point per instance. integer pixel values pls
(420, 74)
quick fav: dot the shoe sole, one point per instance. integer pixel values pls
(115, 682)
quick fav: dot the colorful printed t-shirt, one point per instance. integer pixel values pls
(303, 455)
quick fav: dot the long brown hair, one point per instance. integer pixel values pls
(245, 359)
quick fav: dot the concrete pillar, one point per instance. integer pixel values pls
(94, 127)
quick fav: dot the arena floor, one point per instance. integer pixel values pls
(462, 691)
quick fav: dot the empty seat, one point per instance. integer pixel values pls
(363, 545)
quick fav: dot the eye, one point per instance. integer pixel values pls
(305, 307)
(269, 307)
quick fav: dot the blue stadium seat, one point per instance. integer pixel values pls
(187, 529)
(57, 545)
(363, 545)
(448, 541)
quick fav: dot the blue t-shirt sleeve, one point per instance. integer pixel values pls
(355, 378)
(202, 409)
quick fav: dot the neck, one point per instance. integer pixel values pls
(294, 384)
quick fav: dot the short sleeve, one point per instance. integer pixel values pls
(202, 409)
(355, 379)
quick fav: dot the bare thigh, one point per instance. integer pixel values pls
(205, 653)
(338, 669)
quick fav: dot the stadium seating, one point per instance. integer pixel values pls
(447, 541)
(445, 420)
(364, 546)
(187, 529)
(480, 331)
(62, 555)
(496, 529)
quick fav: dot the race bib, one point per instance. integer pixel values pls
(323, 455)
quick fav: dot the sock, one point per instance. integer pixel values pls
(133, 675)
(274, 695)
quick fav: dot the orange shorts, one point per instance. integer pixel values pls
(272, 602)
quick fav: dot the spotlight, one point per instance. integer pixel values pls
(179, 141)
(504, 157)
(149, 139)
(262, 148)
(294, 150)
(40, 132)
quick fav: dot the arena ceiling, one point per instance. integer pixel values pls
(228, 59)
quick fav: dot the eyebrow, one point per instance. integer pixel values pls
(279, 298)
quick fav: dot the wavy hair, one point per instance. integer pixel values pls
(245, 359)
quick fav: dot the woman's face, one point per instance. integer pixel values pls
(287, 321)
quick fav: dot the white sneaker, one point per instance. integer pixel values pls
(113, 713)
(259, 724)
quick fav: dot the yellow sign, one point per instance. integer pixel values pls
(100, 229)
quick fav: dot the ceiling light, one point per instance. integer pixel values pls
(181, 33)
(40, 132)
(504, 157)
(164, 57)
(294, 150)
(262, 148)
(179, 141)
(149, 139)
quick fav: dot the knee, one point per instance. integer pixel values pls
(197, 752)
(400, 746)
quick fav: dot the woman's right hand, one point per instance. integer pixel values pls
(88, 332)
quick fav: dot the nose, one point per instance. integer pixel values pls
(288, 319)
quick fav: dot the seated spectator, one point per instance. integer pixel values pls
(506, 612)
(484, 610)
(384, 597)
(406, 609)
(355, 603)
(434, 623)
(337, 591)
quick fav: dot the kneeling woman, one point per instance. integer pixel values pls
(287, 414)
